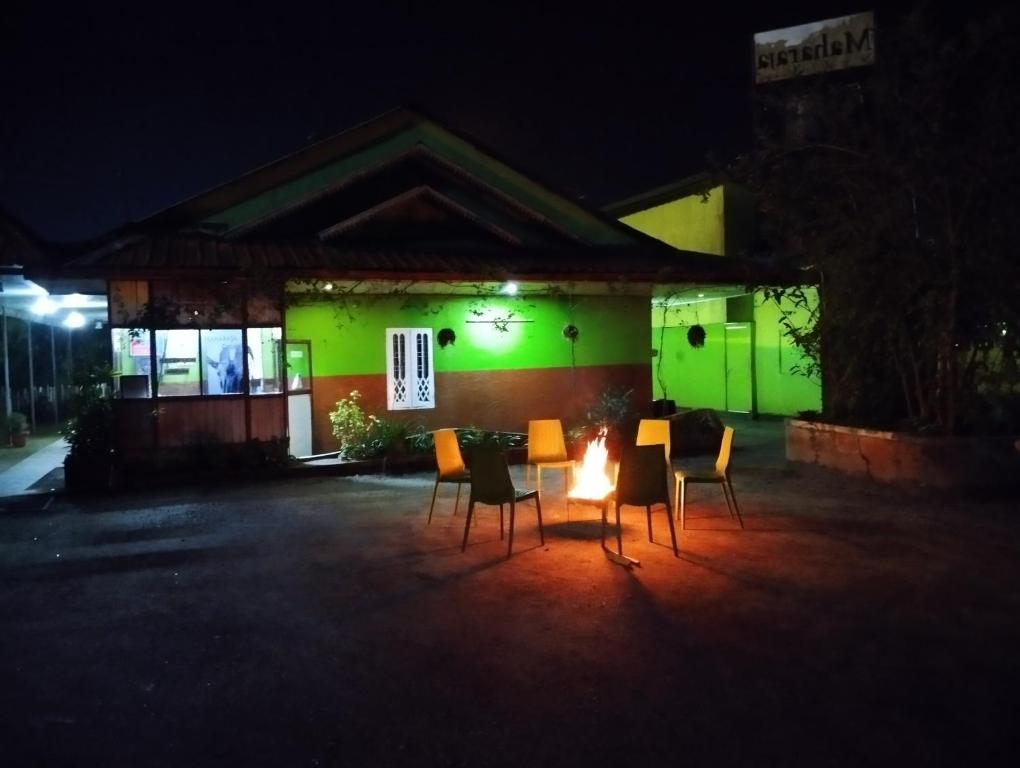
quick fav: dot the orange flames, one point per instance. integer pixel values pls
(592, 482)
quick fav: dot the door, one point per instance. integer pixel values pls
(299, 397)
(739, 368)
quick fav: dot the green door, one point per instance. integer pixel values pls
(739, 368)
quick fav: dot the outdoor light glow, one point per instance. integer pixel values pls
(328, 286)
(44, 305)
(74, 320)
(74, 301)
(701, 295)
(510, 289)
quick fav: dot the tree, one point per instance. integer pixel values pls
(898, 184)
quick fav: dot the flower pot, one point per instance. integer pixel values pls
(19, 439)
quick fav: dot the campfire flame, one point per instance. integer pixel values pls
(591, 479)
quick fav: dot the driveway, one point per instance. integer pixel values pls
(320, 622)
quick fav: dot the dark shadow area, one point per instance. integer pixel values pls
(64, 569)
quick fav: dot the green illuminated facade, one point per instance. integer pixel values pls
(746, 363)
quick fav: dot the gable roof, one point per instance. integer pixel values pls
(696, 184)
(401, 149)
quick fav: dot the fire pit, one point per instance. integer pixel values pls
(594, 487)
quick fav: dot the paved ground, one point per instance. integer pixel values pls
(319, 622)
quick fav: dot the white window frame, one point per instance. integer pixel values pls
(410, 373)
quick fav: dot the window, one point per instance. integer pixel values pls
(264, 369)
(132, 377)
(410, 380)
(177, 368)
(222, 362)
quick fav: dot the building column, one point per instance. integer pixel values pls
(7, 368)
(31, 377)
(56, 388)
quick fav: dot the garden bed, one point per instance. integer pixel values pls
(951, 463)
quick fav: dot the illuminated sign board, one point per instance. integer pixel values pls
(821, 46)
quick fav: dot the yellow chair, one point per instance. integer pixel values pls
(450, 466)
(654, 432)
(642, 480)
(547, 449)
(491, 484)
(720, 475)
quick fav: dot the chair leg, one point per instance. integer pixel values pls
(733, 496)
(510, 543)
(619, 531)
(605, 513)
(648, 513)
(501, 522)
(434, 492)
(456, 502)
(467, 524)
(538, 477)
(541, 531)
(683, 495)
(672, 532)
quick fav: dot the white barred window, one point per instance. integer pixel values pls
(410, 380)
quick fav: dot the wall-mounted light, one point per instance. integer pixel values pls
(510, 288)
(74, 320)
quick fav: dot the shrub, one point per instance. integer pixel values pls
(361, 435)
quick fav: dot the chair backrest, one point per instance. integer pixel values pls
(654, 432)
(490, 475)
(448, 457)
(722, 463)
(545, 440)
(643, 478)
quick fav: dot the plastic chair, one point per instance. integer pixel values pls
(654, 432)
(491, 484)
(450, 466)
(720, 475)
(642, 480)
(548, 449)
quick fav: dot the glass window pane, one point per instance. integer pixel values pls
(132, 374)
(299, 371)
(264, 361)
(177, 363)
(223, 362)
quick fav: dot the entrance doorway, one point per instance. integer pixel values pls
(739, 368)
(299, 397)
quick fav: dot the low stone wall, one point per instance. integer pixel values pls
(895, 457)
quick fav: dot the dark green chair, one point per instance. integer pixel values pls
(491, 484)
(642, 481)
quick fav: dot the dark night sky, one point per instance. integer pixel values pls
(113, 113)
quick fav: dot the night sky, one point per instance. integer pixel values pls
(110, 114)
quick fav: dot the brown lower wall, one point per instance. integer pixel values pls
(497, 400)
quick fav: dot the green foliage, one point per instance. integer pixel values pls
(92, 429)
(897, 186)
(612, 411)
(361, 435)
(15, 423)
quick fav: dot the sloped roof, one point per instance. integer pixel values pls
(696, 184)
(196, 254)
(18, 246)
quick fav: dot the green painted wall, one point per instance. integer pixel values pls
(694, 377)
(348, 336)
(780, 391)
(690, 223)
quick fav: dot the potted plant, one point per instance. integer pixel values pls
(92, 434)
(17, 429)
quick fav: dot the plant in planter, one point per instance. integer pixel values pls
(17, 429)
(614, 413)
(92, 434)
